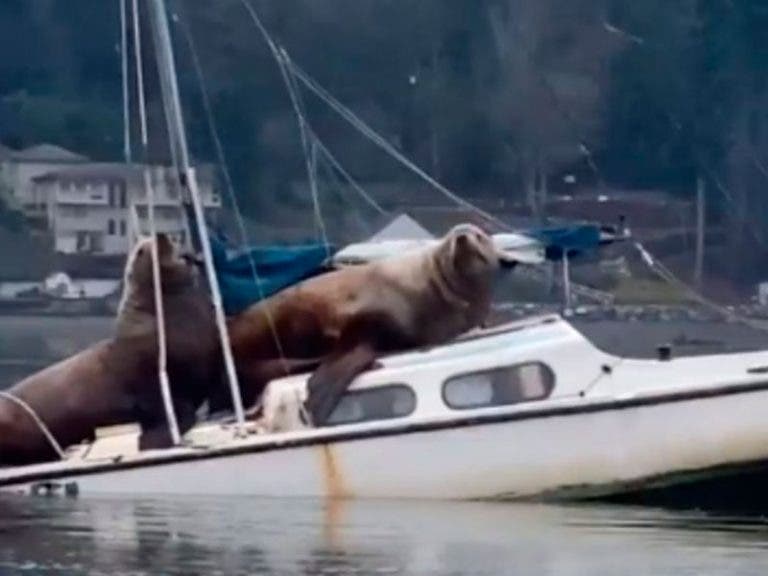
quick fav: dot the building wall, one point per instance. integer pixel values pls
(96, 216)
(18, 178)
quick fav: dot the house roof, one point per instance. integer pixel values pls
(402, 228)
(47, 153)
(440, 219)
(91, 171)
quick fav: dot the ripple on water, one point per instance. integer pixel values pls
(268, 536)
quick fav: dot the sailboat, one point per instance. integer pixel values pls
(525, 410)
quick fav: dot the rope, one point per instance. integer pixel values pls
(126, 93)
(308, 145)
(351, 181)
(382, 143)
(668, 276)
(230, 189)
(37, 420)
(290, 69)
(170, 90)
(284, 60)
(281, 58)
(149, 189)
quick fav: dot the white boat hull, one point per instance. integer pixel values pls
(600, 448)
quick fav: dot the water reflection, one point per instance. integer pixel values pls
(258, 536)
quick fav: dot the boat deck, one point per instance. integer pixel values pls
(640, 339)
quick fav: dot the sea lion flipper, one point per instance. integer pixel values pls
(157, 435)
(330, 381)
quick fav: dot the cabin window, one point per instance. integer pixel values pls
(499, 386)
(381, 403)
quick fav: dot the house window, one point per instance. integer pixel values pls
(111, 227)
(74, 211)
(380, 403)
(499, 386)
(123, 228)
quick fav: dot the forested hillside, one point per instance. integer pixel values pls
(495, 97)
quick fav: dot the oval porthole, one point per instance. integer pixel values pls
(501, 386)
(371, 404)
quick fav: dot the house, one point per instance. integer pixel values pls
(97, 208)
(18, 168)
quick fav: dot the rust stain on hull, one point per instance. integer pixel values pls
(335, 493)
(332, 476)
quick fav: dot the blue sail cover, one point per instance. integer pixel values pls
(278, 267)
(282, 266)
(572, 239)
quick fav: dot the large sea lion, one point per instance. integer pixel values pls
(116, 380)
(342, 320)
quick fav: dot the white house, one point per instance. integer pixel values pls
(96, 208)
(18, 169)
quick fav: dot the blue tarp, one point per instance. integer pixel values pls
(573, 239)
(278, 267)
(282, 266)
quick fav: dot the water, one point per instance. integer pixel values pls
(257, 536)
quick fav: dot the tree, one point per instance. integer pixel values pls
(552, 63)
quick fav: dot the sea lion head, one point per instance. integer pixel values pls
(467, 260)
(469, 250)
(173, 268)
(175, 272)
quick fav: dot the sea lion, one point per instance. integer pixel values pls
(343, 320)
(116, 380)
(193, 350)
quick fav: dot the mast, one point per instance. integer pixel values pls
(149, 190)
(188, 179)
(126, 94)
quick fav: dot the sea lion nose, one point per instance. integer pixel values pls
(506, 261)
(191, 259)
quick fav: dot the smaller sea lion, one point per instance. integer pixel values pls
(116, 380)
(193, 350)
(344, 320)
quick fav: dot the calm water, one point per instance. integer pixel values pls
(254, 536)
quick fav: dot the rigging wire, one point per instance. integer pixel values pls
(308, 144)
(149, 190)
(331, 159)
(170, 91)
(283, 60)
(382, 143)
(37, 420)
(230, 188)
(668, 276)
(126, 92)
